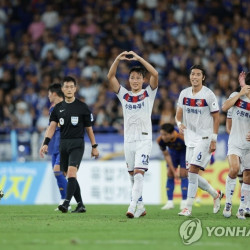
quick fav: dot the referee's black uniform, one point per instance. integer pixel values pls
(73, 118)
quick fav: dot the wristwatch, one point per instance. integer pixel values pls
(95, 146)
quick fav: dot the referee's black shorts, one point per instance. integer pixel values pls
(71, 152)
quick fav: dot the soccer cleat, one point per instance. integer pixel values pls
(168, 205)
(247, 212)
(185, 212)
(131, 212)
(217, 202)
(80, 208)
(227, 212)
(240, 214)
(64, 208)
(183, 204)
(61, 202)
(140, 211)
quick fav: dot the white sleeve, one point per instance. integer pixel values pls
(180, 99)
(151, 92)
(213, 103)
(122, 91)
(229, 113)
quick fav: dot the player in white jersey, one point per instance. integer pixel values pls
(137, 107)
(238, 107)
(197, 116)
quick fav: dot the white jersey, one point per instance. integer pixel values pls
(197, 116)
(137, 109)
(240, 115)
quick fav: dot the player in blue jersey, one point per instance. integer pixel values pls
(55, 96)
(172, 144)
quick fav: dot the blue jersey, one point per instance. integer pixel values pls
(176, 149)
(53, 147)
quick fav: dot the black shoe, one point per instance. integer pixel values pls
(63, 208)
(80, 208)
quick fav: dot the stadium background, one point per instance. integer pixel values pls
(40, 42)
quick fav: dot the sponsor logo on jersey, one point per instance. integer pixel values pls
(74, 120)
(134, 99)
(194, 102)
(242, 104)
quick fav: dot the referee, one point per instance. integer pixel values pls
(73, 116)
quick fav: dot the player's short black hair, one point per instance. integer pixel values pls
(56, 88)
(167, 127)
(198, 66)
(139, 70)
(247, 79)
(69, 79)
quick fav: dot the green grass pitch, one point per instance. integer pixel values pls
(107, 227)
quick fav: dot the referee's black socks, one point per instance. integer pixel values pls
(71, 188)
(77, 193)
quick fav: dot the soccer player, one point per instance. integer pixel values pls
(172, 144)
(74, 118)
(238, 109)
(137, 107)
(55, 95)
(197, 116)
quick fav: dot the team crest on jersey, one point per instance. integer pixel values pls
(199, 102)
(61, 121)
(74, 120)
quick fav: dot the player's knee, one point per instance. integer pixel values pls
(246, 177)
(233, 172)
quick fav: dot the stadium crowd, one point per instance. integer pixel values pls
(41, 41)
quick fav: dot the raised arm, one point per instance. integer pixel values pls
(115, 85)
(153, 81)
(230, 102)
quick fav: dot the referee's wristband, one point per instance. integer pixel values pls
(46, 141)
(214, 137)
(178, 124)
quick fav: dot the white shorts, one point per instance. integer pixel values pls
(199, 155)
(137, 154)
(244, 155)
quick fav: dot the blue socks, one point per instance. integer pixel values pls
(61, 183)
(170, 188)
(184, 187)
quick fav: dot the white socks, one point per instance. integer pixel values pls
(192, 189)
(230, 186)
(204, 185)
(137, 189)
(245, 196)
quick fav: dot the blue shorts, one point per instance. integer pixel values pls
(55, 158)
(178, 158)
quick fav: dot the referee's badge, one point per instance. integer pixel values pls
(61, 121)
(74, 120)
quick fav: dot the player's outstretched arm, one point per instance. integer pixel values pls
(230, 102)
(153, 81)
(115, 85)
